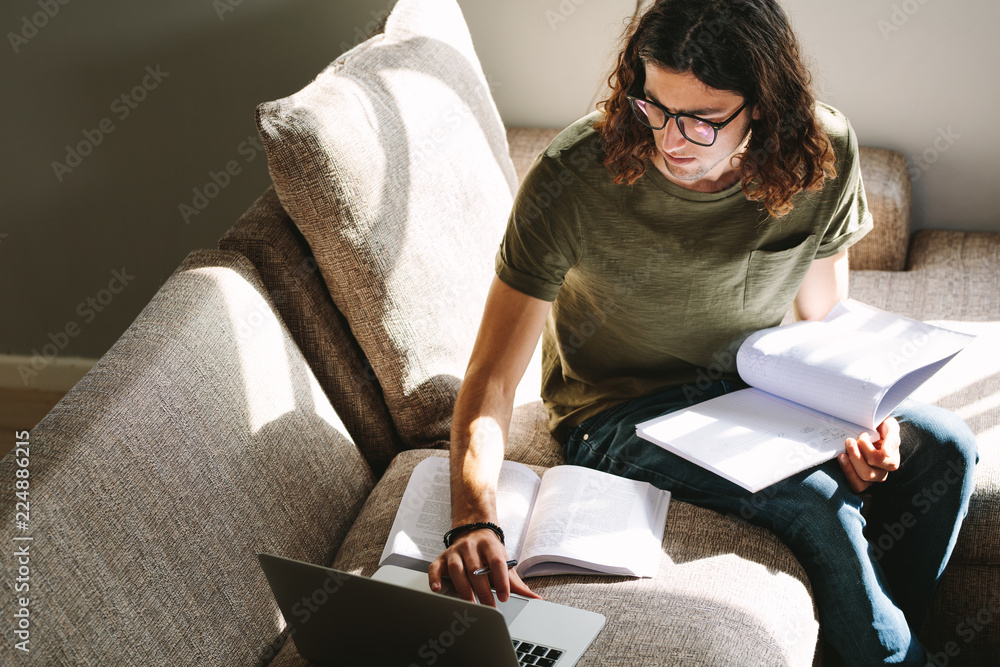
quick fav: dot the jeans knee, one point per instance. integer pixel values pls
(818, 508)
(958, 449)
(951, 440)
(964, 444)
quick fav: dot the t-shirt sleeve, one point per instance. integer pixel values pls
(542, 241)
(851, 219)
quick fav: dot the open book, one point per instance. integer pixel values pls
(574, 520)
(813, 385)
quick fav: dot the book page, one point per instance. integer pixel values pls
(858, 363)
(594, 520)
(750, 437)
(424, 513)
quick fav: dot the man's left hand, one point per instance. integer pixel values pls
(865, 461)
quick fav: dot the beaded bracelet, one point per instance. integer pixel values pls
(472, 526)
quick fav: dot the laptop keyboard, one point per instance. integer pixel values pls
(536, 654)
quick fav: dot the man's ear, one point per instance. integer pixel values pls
(756, 113)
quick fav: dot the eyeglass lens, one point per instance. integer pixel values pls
(692, 128)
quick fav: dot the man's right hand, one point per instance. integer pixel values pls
(469, 552)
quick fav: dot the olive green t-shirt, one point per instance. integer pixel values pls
(654, 285)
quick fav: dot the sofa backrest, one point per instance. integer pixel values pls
(201, 438)
(887, 188)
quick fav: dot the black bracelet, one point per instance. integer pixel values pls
(472, 526)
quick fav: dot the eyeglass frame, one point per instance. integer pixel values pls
(667, 116)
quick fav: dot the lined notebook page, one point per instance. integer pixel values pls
(750, 437)
(857, 364)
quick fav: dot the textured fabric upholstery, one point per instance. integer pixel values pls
(969, 385)
(395, 167)
(956, 251)
(955, 286)
(529, 440)
(723, 586)
(887, 188)
(726, 593)
(526, 143)
(157, 479)
(268, 237)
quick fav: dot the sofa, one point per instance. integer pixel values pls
(276, 392)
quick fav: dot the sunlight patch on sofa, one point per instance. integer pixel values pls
(990, 403)
(969, 370)
(257, 335)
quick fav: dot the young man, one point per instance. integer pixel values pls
(709, 194)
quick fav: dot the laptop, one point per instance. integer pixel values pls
(391, 619)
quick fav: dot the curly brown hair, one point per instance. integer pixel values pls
(743, 46)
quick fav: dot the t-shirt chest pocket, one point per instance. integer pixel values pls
(776, 270)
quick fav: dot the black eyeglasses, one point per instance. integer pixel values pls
(696, 130)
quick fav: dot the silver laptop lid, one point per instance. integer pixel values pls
(336, 618)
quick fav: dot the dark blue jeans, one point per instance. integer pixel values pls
(873, 580)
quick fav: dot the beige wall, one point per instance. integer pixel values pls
(63, 239)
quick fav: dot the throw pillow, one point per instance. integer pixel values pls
(394, 164)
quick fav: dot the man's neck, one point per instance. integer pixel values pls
(707, 183)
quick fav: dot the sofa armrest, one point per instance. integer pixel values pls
(198, 440)
(270, 240)
(956, 251)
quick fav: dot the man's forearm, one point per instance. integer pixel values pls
(478, 433)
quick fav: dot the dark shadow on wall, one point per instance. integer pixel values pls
(120, 205)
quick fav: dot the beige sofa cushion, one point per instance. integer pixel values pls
(953, 283)
(395, 166)
(157, 479)
(726, 593)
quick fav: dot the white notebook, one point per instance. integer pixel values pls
(813, 385)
